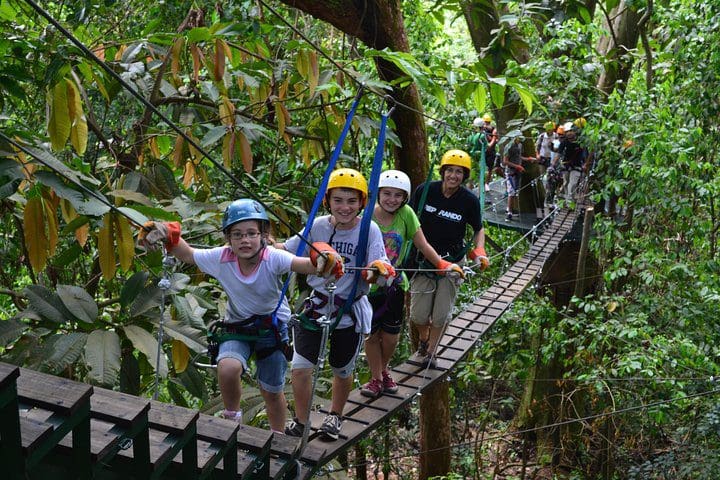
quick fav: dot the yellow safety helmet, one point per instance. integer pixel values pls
(549, 126)
(348, 178)
(487, 118)
(459, 158)
(580, 122)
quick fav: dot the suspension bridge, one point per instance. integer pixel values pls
(54, 426)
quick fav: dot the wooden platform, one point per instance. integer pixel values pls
(52, 427)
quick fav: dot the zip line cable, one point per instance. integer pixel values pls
(544, 427)
(129, 88)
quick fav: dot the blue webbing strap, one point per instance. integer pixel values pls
(367, 215)
(320, 194)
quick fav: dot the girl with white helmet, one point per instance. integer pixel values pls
(400, 229)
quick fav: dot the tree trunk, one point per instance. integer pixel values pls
(623, 38)
(379, 24)
(435, 432)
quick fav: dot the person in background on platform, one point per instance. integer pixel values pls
(512, 161)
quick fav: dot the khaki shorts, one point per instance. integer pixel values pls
(432, 300)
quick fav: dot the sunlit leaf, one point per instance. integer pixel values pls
(106, 247)
(59, 121)
(180, 355)
(219, 70)
(35, 233)
(78, 128)
(245, 152)
(125, 242)
(479, 97)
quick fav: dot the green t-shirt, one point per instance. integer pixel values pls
(398, 236)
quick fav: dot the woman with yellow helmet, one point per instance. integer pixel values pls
(448, 208)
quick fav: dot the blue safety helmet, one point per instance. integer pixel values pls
(241, 210)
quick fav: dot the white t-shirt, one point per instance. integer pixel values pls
(254, 294)
(346, 244)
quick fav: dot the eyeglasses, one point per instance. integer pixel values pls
(235, 235)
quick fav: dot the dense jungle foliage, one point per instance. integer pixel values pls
(83, 162)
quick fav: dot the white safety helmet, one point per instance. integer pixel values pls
(478, 122)
(395, 179)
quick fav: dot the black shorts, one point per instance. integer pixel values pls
(388, 308)
(344, 345)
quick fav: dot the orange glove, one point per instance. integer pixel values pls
(451, 269)
(327, 262)
(379, 269)
(479, 256)
(164, 232)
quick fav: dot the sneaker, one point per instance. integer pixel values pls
(232, 415)
(508, 217)
(389, 385)
(294, 428)
(330, 428)
(423, 348)
(372, 389)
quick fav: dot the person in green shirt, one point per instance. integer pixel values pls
(400, 228)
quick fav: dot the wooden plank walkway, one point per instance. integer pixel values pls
(56, 428)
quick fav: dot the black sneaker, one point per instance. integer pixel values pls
(422, 348)
(429, 361)
(294, 428)
(508, 217)
(330, 428)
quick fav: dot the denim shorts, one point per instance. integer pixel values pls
(271, 369)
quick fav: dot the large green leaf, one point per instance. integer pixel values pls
(47, 304)
(193, 382)
(188, 311)
(63, 349)
(78, 302)
(146, 299)
(132, 287)
(48, 159)
(10, 330)
(192, 337)
(102, 355)
(148, 345)
(10, 177)
(83, 204)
